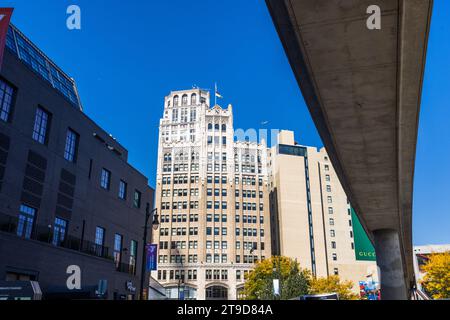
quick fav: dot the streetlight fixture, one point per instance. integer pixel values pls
(155, 224)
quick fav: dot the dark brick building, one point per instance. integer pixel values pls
(67, 193)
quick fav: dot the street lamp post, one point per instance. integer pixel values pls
(277, 272)
(155, 224)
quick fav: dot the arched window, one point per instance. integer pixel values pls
(168, 157)
(184, 99)
(224, 127)
(175, 100)
(216, 293)
(194, 99)
(168, 103)
(216, 127)
(209, 126)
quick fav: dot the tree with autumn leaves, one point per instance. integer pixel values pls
(436, 281)
(294, 281)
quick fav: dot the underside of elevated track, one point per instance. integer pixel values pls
(363, 88)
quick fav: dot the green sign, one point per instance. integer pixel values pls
(364, 250)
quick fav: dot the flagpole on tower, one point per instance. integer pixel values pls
(215, 93)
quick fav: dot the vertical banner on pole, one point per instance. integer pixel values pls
(151, 257)
(5, 18)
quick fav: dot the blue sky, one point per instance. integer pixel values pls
(127, 57)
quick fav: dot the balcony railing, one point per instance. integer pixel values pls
(45, 234)
(126, 268)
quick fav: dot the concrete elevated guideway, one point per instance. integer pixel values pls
(363, 90)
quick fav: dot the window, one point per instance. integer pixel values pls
(122, 190)
(175, 100)
(133, 256)
(99, 240)
(292, 150)
(59, 231)
(6, 97)
(330, 210)
(137, 199)
(105, 179)
(26, 221)
(193, 99)
(217, 292)
(70, 150)
(41, 125)
(117, 249)
(174, 116)
(331, 222)
(184, 99)
(330, 199)
(332, 233)
(334, 257)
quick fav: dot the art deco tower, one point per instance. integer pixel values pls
(212, 196)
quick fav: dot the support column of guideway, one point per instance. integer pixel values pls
(389, 260)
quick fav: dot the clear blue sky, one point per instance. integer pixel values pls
(130, 54)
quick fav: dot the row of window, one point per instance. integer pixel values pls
(177, 179)
(185, 99)
(182, 231)
(177, 275)
(182, 218)
(216, 140)
(41, 129)
(180, 192)
(105, 183)
(42, 123)
(180, 205)
(217, 127)
(183, 205)
(334, 245)
(210, 274)
(179, 218)
(193, 244)
(180, 259)
(216, 274)
(210, 258)
(27, 218)
(333, 233)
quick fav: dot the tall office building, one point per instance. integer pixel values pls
(311, 217)
(212, 195)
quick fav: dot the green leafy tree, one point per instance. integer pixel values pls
(436, 281)
(294, 281)
(333, 284)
